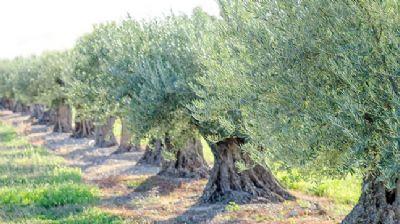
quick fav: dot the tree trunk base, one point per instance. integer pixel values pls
(37, 111)
(48, 118)
(17, 107)
(189, 162)
(226, 183)
(377, 205)
(127, 148)
(8, 104)
(153, 156)
(104, 135)
(83, 129)
(63, 119)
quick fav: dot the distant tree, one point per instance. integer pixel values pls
(54, 75)
(128, 43)
(92, 84)
(39, 80)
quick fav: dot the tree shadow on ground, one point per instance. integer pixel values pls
(197, 213)
(163, 185)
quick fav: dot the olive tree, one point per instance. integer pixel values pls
(92, 83)
(160, 90)
(55, 73)
(126, 47)
(327, 74)
(227, 97)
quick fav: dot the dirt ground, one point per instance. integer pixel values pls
(135, 192)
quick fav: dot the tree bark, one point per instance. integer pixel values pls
(17, 107)
(125, 144)
(153, 156)
(26, 110)
(3, 103)
(63, 119)
(189, 162)
(9, 104)
(48, 118)
(104, 135)
(37, 111)
(83, 129)
(377, 204)
(227, 184)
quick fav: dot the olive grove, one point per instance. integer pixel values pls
(311, 85)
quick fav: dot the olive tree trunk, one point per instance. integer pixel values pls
(83, 129)
(63, 119)
(104, 135)
(48, 117)
(227, 184)
(37, 111)
(153, 155)
(377, 204)
(17, 107)
(26, 109)
(189, 162)
(125, 144)
(10, 104)
(3, 103)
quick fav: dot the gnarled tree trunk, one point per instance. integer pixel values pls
(153, 156)
(37, 111)
(189, 162)
(48, 117)
(125, 144)
(227, 184)
(377, 204)
(26, 109)
(17, 107)
(83, 129)
(9, 104)
(104, 135)
(3, 103)
(63, 119)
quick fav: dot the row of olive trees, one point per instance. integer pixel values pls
(310, 83)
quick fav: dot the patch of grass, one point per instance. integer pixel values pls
(208, 155)
(92, 216)
(117, 128)
(37, 187)
(342, 191)
(232, 207)
(8, 137)
(48, 195)
(54, 176)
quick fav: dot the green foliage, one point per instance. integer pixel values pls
(342, 68)
(312, 83)
(36, 79)
(91, 88)
(167, 67)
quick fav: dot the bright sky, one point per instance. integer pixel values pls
(32, 26)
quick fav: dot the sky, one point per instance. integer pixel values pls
(33, 26)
